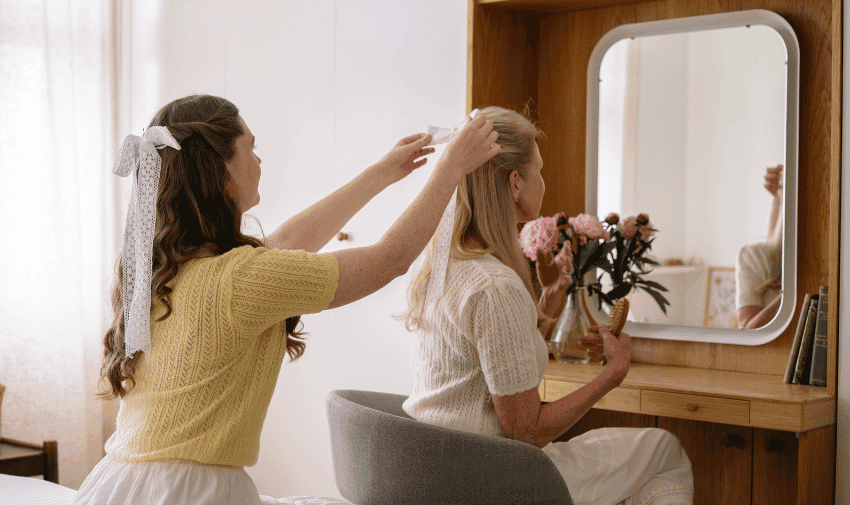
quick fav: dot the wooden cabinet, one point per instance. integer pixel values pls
(721, 456)
(774, 453)
(752, 439)
(726, 422)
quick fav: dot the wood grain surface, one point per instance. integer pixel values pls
(523, 51)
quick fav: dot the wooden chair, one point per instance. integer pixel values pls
(26, 460)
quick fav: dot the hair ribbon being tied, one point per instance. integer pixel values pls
(443, 235)
(139, 155)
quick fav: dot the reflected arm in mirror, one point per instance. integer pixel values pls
(751, 317)
(762, 258)
(773, 183)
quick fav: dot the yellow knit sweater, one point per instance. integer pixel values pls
(202, 392)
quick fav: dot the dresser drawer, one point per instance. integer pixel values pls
(698, 408)
(627, 400)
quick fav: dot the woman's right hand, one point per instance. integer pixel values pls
(614, 352)
(474, 144)
(773, 180)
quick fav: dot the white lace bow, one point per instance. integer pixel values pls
(139, 155)
(443, 235)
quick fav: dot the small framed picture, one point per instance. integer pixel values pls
(720, 298)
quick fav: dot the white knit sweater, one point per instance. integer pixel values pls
(481, 339)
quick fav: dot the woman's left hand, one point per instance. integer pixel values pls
(405, 157)
(554, 281)
(551, 275)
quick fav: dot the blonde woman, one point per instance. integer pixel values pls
(479, 355)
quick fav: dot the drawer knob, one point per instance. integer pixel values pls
(774, 445)
(734, 441)
(343, 236)
(691, 407)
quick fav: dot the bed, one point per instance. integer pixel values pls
(30, 491)
(27, 490)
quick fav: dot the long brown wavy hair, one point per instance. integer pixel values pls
(196, 216)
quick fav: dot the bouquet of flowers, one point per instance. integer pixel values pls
(583, 243)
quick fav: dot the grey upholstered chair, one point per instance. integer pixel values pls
(382, 456)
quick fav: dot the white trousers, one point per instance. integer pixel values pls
(625, 466)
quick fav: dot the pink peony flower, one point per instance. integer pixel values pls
(588, 227)
(645, 232)
(540, 234)
(628, 228)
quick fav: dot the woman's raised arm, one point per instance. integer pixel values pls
(312, 228)
(364, 270)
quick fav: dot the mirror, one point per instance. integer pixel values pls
(688, 120)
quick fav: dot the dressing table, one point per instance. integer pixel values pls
(751, 438)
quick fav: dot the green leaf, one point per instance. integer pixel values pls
(620, 291)
(659, 299)
(650, 261)
(652, 284)
(603, 265)
(587, 250)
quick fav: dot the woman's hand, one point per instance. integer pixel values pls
(474, 144)
(772, 180)
(554, 281)
(550, 274)
(405, 157)
(614, 352)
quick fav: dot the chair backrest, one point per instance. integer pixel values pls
(382, 456)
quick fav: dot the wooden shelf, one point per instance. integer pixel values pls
(556, 5)
(742, 399)
(677, 270)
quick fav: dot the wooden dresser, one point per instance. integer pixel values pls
(751, 438)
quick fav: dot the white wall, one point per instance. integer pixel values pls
(662, 141)
(327, 87)
(736, 130)
(708, 120)
(711, 119)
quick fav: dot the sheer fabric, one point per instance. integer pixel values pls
(57, 223)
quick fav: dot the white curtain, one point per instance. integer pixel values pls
(58, 223)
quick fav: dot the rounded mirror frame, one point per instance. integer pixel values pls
(789, 240)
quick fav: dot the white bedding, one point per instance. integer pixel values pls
(29, 491)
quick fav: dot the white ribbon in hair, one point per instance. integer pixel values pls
(443, 235)
(137, 258)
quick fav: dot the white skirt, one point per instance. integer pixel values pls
(177, 482)
(626, 466)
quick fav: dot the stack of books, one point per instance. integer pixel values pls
(807, 362)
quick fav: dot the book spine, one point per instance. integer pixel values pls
(805, 342)
(817, 375)
(798, 335)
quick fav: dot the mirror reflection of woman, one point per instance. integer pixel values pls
(758, 270)
(480, 353)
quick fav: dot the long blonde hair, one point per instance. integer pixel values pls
(485, 209)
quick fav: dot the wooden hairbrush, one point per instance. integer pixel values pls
(617, 316)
